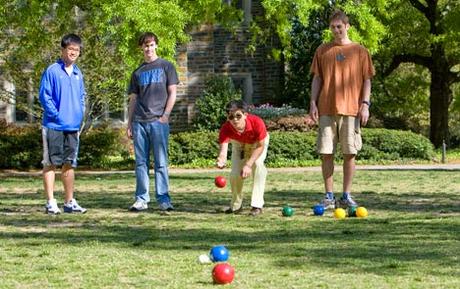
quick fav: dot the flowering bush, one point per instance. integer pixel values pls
(289, 123)
(267, 111)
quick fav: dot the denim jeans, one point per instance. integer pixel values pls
(150, 136)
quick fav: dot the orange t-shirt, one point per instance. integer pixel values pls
(343, 69)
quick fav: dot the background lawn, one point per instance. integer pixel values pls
(411, 238)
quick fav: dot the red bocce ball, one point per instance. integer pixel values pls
(223, 273)
(220, 181)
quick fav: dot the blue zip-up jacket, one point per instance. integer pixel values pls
(62, 97)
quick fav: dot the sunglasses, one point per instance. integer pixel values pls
(236, 116)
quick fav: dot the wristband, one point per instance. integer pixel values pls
(366, 102)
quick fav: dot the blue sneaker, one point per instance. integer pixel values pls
(166, 207)
(73, 207)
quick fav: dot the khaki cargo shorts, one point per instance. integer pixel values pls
(339, 128)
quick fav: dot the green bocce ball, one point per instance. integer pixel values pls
(287, 211)
(352, 211)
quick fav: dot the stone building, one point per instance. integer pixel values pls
(212, 51)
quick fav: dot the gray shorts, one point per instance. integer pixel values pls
(60, 147)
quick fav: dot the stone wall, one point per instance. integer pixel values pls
(214, 51)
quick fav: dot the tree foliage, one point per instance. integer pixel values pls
(421, 33)
(427, 34)
(302, 26)
(32, 29)
(415, 47)
(279, 16)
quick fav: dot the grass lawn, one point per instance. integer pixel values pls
(411, 238)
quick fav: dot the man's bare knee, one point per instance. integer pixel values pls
(49, 168)
(66, 168)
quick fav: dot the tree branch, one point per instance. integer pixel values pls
(454, 77)
(419, 6)
(403, 58)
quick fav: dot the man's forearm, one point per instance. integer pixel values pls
(315, 88)
(256, 153)
(172, 95)
(366, 91)
(131, 105)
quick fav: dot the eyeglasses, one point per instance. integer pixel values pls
(77, 50)
(236, 116)
(336, 26)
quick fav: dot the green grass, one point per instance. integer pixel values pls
(411, 238)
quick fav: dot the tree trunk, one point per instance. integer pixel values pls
(440, 99)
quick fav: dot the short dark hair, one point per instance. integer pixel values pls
(237, 104)
(69, 39)
(339, 15)
(147, 37)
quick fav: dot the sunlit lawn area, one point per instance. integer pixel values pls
(411, 238)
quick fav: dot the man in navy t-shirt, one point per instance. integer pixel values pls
(152, 94)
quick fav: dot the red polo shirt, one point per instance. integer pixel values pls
(254, 131)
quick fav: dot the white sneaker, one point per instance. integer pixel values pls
(52, 208)
(347, 202)
(138, 206)
(328, 203)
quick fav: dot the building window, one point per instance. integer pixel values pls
(116, 114)
(244, 5)
(243, 83)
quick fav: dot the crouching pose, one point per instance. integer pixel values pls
(249, 138)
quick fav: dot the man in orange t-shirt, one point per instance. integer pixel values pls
(340, 100)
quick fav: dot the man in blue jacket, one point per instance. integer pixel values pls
(62, 96)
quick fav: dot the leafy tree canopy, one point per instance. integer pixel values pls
(32, 29)
(366, 28)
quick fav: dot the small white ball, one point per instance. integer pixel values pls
(204, 259)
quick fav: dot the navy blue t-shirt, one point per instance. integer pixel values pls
(150, 83)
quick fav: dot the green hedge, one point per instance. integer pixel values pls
(20, 147)
(108, 148)
(299, 148)
(188, 147)
(385, 144)
(104, 147)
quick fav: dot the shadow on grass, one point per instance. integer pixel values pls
(371, 246)
(381, 246)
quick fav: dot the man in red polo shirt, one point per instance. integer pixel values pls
(249, 138)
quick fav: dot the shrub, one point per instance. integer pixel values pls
(269, 112)
(187, 147)
(219, 90)
(397, 144)
(105, 147)
(20, 147)
(297, 146)
(100, 144)
(201, 148)
(288, 123)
